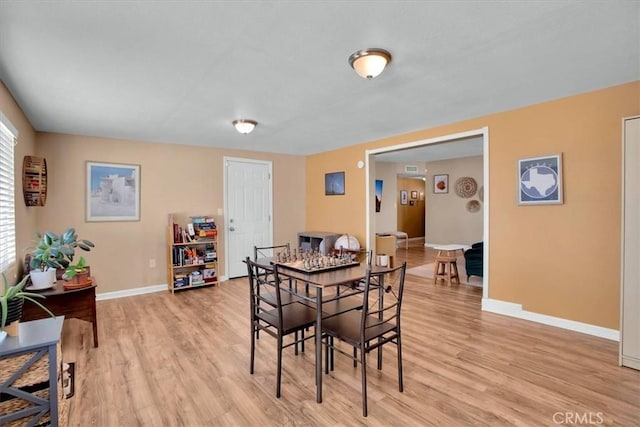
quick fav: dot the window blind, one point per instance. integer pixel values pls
(8, 138)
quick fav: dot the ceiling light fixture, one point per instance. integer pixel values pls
(244, 126)
(369, 63)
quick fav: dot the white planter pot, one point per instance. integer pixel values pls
(43, 279)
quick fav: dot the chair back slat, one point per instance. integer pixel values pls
(383, 293)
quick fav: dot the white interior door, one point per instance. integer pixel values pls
(630, 310)
(248, 216)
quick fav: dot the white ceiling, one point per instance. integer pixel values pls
(180, 72)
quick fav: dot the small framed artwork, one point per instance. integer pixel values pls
(404, 196)
(411, 202)
(441, 184)
(378, 194)
(540, 180)
(414, 194)
(113, 192)
(334, 184)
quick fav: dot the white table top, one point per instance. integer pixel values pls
(452, 247)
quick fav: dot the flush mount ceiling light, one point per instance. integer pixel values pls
(244, 126)
(369, 63)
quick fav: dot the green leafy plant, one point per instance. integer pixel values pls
(57, 251)
(72, 270)
(17, 291)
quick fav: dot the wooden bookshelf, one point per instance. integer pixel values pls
(192, 261)
(34, 180)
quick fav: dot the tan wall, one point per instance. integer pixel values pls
(411, 218)
(559, 260)
(387, 219)
(448, 220)
(25, 216)
(177, 179)
(340, 214)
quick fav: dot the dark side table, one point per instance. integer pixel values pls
(72, 303)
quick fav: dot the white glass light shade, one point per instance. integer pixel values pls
(369, 63)
(244, 126)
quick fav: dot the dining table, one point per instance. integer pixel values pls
(319, 281)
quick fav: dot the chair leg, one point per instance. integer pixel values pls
(454, 266)
(279, 372)
(380, 356)
(364, 380)
(302, 341)
(400, 385)
(355, 357)
(326, 354)
(332, 353)
(254, 336)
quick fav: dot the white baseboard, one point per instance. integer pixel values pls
(515, 310)
(138, 291)
(131, 292)
(630, 362)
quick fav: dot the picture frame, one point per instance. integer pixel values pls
(112, 192)
(414, 194)
(404, 196)
(540, 180)
(334, 184)
(412, 202)
(441, 184)
(378, 194)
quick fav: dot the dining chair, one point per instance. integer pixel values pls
(377, 324)
(279, 321)
(270, 251)
(266, 252)
(349, 299)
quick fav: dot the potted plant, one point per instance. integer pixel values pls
(11, 301)
(53, 252)
(77, 273)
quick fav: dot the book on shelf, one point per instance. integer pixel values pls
(209, 275)
(202, 219)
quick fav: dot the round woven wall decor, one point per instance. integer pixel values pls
(466, 187)
(473, 206)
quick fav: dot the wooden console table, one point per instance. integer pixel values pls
(72, 303)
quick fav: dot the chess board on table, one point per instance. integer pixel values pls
(300, 266)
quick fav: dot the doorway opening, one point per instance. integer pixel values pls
(453, 140)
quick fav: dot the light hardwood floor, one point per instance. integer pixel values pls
(182, 360)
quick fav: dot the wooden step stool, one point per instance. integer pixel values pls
(446, 268)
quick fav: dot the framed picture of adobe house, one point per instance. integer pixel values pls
(441, 184)
(540, 180)
(113, 192)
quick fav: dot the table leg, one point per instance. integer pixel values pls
(319, 345)
(95, 333)
(94, 319)
(53, 385)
